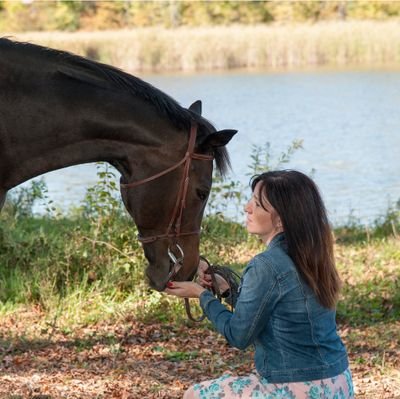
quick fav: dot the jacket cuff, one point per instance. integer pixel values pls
(206, 297)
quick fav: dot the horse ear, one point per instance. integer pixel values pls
(196, 107)
(219, 139)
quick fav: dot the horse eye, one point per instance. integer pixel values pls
(202, 194)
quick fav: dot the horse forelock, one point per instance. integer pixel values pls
(222, 160)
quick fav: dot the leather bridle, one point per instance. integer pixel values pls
(173, 230)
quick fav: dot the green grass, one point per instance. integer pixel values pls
(371, 273)
(79, 272)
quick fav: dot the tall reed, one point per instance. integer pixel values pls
(260, 46)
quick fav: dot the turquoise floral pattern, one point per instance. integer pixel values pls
(349, 380)
(239, 384)
(255, 387)
(281, 393)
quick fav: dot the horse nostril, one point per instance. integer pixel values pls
(155, 285)
(156, 280)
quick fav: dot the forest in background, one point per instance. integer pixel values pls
(67, 15)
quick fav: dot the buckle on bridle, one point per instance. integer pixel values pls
(173, 257)
(176, 259)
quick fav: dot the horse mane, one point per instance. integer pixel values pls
(94, 72)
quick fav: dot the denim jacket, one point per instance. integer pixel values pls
(294, 336)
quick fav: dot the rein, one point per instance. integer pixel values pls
(231, 277)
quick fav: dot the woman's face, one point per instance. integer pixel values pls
(263, 223)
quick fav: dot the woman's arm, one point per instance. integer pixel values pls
(258, 295)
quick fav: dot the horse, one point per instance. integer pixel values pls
(58, 109)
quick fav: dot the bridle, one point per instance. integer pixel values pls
(173, 230)
(174, 226)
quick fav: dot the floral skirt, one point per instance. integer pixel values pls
(253, 386)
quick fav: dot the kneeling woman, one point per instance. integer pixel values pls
(286, 302)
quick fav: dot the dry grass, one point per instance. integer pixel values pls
(271, 46)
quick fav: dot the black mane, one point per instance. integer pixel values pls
(84, 69)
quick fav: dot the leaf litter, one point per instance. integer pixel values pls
(132, 359)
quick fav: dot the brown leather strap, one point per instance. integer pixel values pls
(189, 313)
(174, 225)
(189, 154)
(156, 176)
(149, 239)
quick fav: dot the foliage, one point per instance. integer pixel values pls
(117, 14)
(354, 231)
(229, 197)
(100, 200)
(389, 223)
(46, 257)
(66, 16)
(20, 203)
(371, 276)
(262, 158)
(225, 196)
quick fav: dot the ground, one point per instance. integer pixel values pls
(132, 359)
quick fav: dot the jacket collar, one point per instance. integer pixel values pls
(278, 241)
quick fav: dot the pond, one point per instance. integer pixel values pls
(349, 122)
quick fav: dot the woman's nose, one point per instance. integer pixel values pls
(247, 207)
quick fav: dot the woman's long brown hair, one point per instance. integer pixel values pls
(296, 199)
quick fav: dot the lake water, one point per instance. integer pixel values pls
(349, 122)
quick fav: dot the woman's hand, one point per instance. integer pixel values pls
(205, 279)
(189, 289)
(184, 289)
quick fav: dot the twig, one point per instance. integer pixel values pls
(108, 245)
(394, 229)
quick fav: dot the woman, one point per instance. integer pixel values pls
(286, 302)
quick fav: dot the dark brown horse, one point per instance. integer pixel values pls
(58, 109)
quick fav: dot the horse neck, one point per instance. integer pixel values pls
(130, 138)
(50, 120)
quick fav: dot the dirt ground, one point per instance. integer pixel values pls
(137, 360)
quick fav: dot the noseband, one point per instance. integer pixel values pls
(173, 230)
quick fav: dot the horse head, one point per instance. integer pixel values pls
(168, 206)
